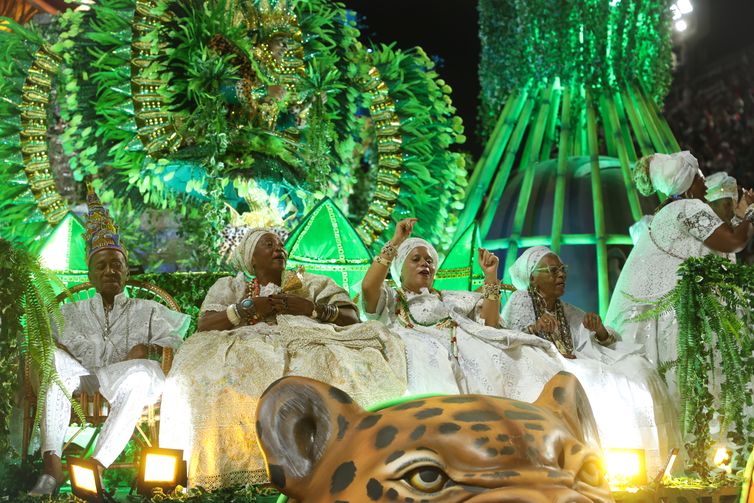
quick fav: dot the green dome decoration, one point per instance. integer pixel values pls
(563, 81)
(460, 269)
(64, 251)
(170, 104)
(311, 246)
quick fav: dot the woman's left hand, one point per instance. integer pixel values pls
(292, 304)
(593, 323)
(489, 262)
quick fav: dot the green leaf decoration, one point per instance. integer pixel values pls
(713, 302)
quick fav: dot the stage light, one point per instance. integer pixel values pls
(681, 25)
(163, 468)
(722, 458)
(626, 467)
(85, 480)
(685, 6)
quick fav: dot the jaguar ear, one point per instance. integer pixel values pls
(296, 419)
(564, 395)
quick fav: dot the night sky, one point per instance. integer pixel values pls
(447, 30)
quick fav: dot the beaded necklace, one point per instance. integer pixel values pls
(403, 311)
(252, 290)
(562, 336)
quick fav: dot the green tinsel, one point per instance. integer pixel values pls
(598, 44)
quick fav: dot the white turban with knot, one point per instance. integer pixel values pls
(404, 250)
(524, 266)
(721, 185)
(244, 252)
(673, 174)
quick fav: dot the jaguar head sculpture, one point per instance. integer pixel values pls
(320, 446)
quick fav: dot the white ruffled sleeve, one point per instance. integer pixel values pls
(386, 304)
(223, 293)
(699, 219)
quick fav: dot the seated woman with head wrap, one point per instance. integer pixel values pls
(254, 328)
(630, 401)
(454, 343)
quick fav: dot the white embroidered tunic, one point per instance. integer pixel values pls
(132, 321)
(676, 233)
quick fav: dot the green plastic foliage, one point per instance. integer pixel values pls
(460, 270)
(715, 366)
(21, 219)
(326, 243)
(598, 44)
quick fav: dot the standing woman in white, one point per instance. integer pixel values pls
(684, 226)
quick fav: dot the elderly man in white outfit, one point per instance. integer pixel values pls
(104, 347)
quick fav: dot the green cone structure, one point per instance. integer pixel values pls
(326, 243)
(573, 87)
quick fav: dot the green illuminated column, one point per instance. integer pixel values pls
(574, 87)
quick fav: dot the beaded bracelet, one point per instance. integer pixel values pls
(491, 291)
(382, 261)
(389, 251)
(749, 215)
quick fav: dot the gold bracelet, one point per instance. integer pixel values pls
(491, 291)
(389, 251)
(382, 261)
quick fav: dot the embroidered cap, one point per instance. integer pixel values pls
(101, 232)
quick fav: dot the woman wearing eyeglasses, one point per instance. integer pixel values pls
(630, 401)
(540, 278)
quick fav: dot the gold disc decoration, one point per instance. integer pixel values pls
(37, 90)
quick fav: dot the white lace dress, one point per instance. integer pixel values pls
(211, 394)
(676, 233)
(482, 360)
(630, 401)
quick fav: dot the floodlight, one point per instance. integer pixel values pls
(163, 468)
(626, 467)
(85, 480)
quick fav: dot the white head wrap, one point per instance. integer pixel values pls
(404, 250)
(721, 185)
(524, 266)
(244, 252)
(673, 174)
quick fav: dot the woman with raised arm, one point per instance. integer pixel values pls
(254, 328)
(454, 341)
(684, 226)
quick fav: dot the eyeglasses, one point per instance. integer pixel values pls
(553, 270)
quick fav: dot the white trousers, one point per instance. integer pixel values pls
(129, 386)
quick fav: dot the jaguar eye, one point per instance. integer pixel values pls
(428, 479)
(591, 472)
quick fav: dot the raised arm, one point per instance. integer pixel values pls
(375, 276)
(490, 311)
(729, 239)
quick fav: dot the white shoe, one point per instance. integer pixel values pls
(46, 486)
